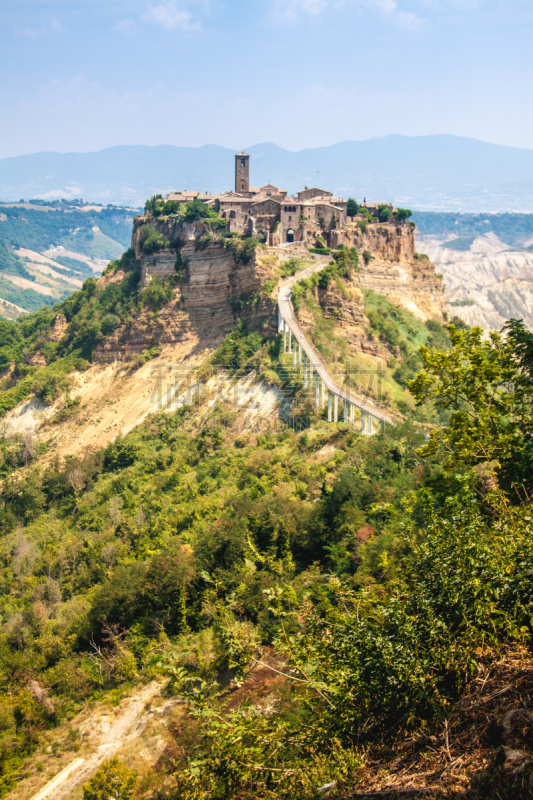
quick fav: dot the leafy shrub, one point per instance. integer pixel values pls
(153, 592)
(347, 260)
(290, 267)
(243, 250)
(109, 323)
(489, 386)
(119, 455)
(150, 241)
(155, 202)
(126, 262)
(157, 293)
(196, 210)
(320, 251)
(326, 275)
(238, 347)
(113, 781)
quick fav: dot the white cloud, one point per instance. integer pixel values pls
(168, 15)
(290, 11)
(41, 31)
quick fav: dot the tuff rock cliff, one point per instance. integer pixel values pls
(215, 285)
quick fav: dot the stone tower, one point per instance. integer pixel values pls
(242, 172)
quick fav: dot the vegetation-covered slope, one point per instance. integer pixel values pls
(381, 576)
(97, 235)
(515, 230)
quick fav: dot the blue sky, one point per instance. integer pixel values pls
(81, 75)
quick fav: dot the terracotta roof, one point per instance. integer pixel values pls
(235, 199)
(262, 200)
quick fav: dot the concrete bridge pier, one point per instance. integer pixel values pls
(300, 353)
(294, 355)
(352, 415)
(335, 408)
(330, 406)
(346, 407)
(290, 341)
(284, 336)
(323, 393)
(305, 370)
(317, 392)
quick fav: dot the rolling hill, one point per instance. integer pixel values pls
(47, 251)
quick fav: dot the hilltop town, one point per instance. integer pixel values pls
(313, 214)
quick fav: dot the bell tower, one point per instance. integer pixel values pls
(242, 172)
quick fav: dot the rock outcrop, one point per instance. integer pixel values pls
(215, 285)
(213, 288)
(395, 269)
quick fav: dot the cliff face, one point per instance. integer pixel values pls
(213, 288)
(391, 268)
(395, 269)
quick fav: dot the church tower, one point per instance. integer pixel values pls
(242, 172)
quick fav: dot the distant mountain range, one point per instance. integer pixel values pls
(440, 172)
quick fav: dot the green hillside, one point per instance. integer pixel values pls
(99, 234)
(40, 227)
(385, 573)
(515, 230)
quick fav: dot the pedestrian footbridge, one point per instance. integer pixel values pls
(306, 358)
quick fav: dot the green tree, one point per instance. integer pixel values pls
(352, 207)
(150, 207)
(113, 781)
(384, 213)
(487, 384)
(196, 210)
(403, 213)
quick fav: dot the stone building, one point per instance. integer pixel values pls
(273, 213)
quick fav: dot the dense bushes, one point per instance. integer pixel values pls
(191, 211)
(150, 241)
(364, 664)
(151, 594)
(238, 347)
(243, 249)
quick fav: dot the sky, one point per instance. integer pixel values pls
(83, 75)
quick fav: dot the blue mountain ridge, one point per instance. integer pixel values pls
(438, 172)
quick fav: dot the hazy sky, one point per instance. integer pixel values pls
(82, 75)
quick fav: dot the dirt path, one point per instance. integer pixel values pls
(106, 735)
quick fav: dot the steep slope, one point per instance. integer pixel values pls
(143, 310)
(486, 284)
(172, 509)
